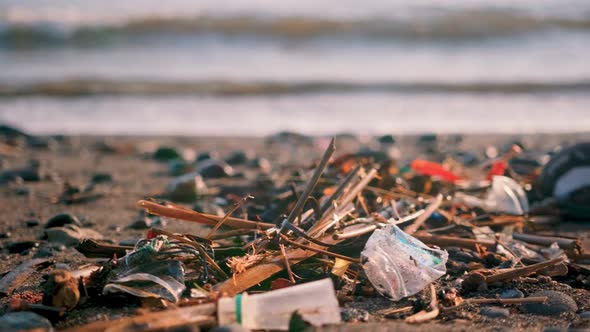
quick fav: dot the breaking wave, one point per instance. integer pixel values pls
(85, 87)
(452, 25)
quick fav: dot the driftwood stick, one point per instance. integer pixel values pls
(572, 245)
(522, 271)
(287, 265)
(411, 229)
(312, 182)
(341, 187)
(424, 316)
(181, 213)
(319, 250)
(227, 215)
(452, 241)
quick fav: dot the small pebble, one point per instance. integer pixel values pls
(115, 228)
(354, 315)
(166, 154)
(494, 312)
(44, 252)
(21, 246)
(557, 304)
(101, 178)
(61, 220)
(178, 168)
(260, 163)
(205, 156)
(213, 169)
(22, 191)
(186, 188)
(238, 158)
(32, 222)
(386, 139)
(141, 223)
(71, 235)
(511, 294)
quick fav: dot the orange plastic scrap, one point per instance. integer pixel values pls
(430, 168)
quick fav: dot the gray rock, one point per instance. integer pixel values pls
(214, 169)
(71, 235)
(511, 294)
(44, 252)
(186, 188)
(24, 321)
(494, 312)
(354, 315)
(557, 304)
(585, 315)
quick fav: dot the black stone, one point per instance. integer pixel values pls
(213, 169)
(237, 158)
(386, 139)
(32, 222)
(20, 246)
(61, 220)
(166, 154)
(101, 178)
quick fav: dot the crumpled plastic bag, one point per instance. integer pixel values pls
(145, 272)
(399, 265)
(505, 196)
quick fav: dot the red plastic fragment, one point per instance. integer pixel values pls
(430, 168)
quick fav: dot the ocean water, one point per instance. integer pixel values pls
(321, 67)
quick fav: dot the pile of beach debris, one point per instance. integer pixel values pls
(297, 250)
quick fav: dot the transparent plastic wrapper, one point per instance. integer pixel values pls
(158, 279)
(315, 301)
(505, 196)
(399, 265)
(148, 271)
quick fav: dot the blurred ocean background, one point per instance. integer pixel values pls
(320, 67)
